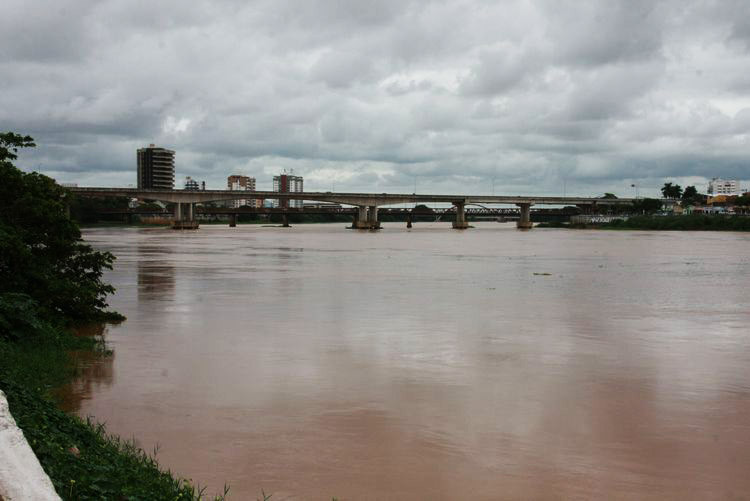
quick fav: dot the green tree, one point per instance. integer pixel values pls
(670, 190)
(743, 200)
(689, 193)
(422, 208)
(691, 196)
(609, 196)
(42, 254)
(647, 205)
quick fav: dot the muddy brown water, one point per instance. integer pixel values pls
(490, 363)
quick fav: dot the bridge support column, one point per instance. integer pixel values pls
(524, 220)
(460, 223)
(232, 220)
(372, 218)
(367, 218)
(408, 219)
(183, 217)
(285, 220)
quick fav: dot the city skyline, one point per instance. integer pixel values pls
(451, 96)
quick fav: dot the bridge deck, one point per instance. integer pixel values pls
(361, 199)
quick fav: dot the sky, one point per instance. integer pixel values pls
(540, 97)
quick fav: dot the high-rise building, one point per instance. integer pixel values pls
(155, 168)
(288, 183)
(237, 182)
(717, 186)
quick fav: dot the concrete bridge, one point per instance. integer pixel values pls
(367, 203)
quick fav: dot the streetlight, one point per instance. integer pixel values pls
(636, 190)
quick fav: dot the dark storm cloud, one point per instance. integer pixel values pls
(377, 95)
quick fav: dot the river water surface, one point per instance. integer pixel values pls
(491, 363)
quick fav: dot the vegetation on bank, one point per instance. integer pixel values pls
(50, 280)
(694, 222)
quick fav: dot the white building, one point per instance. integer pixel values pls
(717, 186)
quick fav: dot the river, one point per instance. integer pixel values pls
(431, 363)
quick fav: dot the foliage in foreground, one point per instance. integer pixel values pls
(83, 461)
(49, 280)
(42, 254)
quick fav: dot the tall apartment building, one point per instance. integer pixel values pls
(155, 168)
(239, 183)
(717, 186)
(288, 183)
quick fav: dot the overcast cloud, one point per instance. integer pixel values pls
(541, 96)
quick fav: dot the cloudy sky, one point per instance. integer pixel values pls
(535, 97)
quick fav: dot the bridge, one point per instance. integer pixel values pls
(367, 204)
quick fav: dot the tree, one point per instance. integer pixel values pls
(670, 190)
(691, 196)
(647, 205)
(609, 196)
(743, 200)
(423, 208)
(42, 254)
(689, 193)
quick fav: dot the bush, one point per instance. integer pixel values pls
(42, 254)
(20, 318)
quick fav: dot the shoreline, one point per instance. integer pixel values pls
(739, 223)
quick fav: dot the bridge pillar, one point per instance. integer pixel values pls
(183, 217)
(285, 220)
(460, 223)
(372, 218)
(232, 220)
(408, 219)
(367, 218)
(524, 220)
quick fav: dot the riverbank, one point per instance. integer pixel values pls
(664, 223)
(81, 459)
(50, 281)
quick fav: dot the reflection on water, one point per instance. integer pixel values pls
(155, 273)
(433, 364)
(95, 371)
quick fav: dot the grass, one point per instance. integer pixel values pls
(81, 458)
